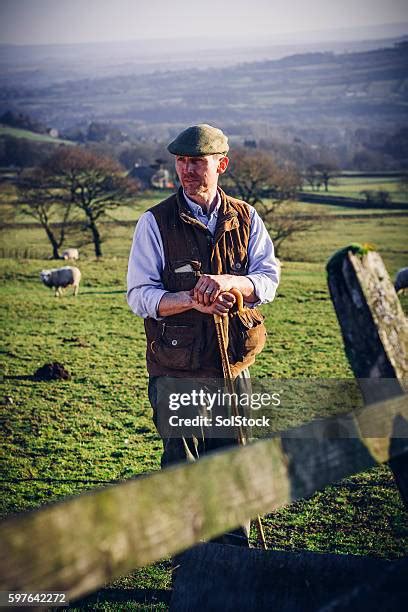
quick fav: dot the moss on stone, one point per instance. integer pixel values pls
(334, 263)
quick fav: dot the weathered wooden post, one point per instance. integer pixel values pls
(375, 332)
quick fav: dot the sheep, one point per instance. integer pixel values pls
(70, 254)
(59, 278)
(401, 280)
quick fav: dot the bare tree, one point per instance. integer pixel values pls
(313, 178)
(323, 172)
(38, 197)
(271, 187)
(95, 185)
(256, 175)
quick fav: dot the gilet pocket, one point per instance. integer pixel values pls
(177, 347)
(247, 334)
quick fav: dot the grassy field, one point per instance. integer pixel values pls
(349, 186)
(387, 233)
(62, 438)
(334, 227)
(6, 130)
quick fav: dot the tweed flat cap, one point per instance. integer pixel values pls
(202, 139)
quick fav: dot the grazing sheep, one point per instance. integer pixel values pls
(61, 278)
(70, 254)
(401, 280)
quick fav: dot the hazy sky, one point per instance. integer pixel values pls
(66, 21)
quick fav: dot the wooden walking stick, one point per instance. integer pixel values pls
(226, 368)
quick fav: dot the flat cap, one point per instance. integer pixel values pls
(198, 140)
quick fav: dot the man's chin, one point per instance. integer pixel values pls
(192, 190)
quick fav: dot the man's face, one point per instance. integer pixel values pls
(199, 175)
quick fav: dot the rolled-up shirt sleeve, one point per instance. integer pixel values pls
(263, 267)
(146, 262)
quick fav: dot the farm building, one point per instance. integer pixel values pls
(155, 176)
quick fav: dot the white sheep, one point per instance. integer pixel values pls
(401, 280)
(70, 254)
(59, 278)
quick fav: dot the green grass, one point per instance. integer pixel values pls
(63, 438)
(349, 186)
(388, 234)
(6, 130)
(335, 226)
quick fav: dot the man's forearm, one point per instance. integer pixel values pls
(246, 287)
(174, 303)
(181, 301)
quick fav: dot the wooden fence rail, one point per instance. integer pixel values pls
(80, 544)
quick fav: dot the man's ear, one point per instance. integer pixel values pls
(222, 164)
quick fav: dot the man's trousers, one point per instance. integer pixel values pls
(182, 448)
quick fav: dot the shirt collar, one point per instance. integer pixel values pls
(196, 208)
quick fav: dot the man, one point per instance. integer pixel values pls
(188, 252)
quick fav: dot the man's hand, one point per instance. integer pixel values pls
(210, 286)
(220, 306)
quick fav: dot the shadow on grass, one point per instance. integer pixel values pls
(23, 377)
(33, 378)
(102, 292)
(48, 480)
(146, 596)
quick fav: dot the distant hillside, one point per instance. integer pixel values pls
(5, 130)
(322, 91)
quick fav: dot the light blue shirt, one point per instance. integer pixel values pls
(146, 261)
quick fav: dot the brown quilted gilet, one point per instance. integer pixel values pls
(185, 345)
